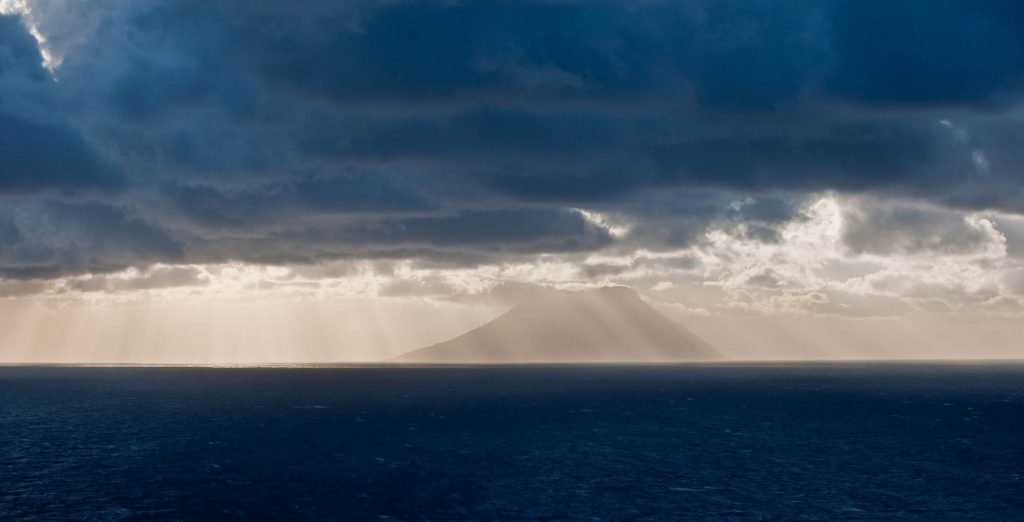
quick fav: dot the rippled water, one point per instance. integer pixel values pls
(925, 442)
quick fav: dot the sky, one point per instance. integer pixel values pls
(234, 182)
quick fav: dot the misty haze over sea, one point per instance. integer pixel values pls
(813, 441)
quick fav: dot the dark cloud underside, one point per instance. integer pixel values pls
(207, 131)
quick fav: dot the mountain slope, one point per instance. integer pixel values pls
(610, 324)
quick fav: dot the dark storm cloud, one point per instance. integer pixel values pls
(671, 219)
(52, 238)
(900, 229)
(945, 53)
(297, 200)
(38, 155)
(466, 237)
(19, 55)
(461, 131)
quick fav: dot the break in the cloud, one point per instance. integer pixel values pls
(692, 146)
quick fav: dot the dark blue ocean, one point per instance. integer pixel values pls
(857, 442)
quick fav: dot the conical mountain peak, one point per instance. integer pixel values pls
(610, 324)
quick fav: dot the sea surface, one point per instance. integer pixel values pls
(817, 442)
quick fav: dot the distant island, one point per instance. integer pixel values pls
(610, 324)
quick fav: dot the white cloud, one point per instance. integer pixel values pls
(616, 227)
(56, 25)
(930, 260)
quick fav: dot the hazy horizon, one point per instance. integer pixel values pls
(321, 333)
(238, 183)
